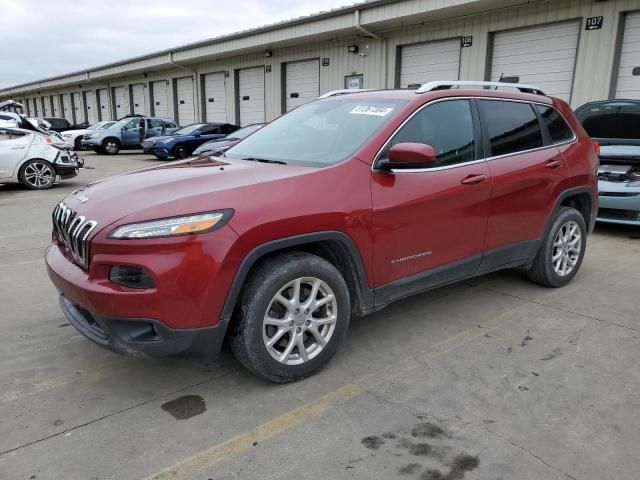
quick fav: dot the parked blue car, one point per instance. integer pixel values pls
(182, 142)
(127, 133)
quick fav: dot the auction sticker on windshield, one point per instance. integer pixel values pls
(376, 110)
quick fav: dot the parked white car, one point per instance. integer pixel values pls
(74, 137)
(34, 159)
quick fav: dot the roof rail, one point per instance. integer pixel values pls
(447, 84)
(344, 91)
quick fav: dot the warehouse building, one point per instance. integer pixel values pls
(578, 50)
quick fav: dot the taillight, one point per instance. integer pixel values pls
(596, 146)
(48, 140)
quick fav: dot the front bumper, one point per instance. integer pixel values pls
(66, 172)
(143, 336)
(620, 206)
(159, 152)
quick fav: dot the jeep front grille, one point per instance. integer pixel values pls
(72, 231)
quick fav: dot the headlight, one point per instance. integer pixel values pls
(174, 226)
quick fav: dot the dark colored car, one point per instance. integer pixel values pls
(181, 143)
(615, 125)
(216, 147)
(337, 208)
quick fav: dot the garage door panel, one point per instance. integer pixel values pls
(121, 100)
(78, 106)
(628, 85)
(302, 82)
(105, 109)
(544, 55)
(251, 95)
(160, 99)
(92, 107)
(430, 61)
(137, 93)
(184, 99)
(215, 97)
(68, 111)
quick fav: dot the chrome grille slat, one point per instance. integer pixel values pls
(73, 230)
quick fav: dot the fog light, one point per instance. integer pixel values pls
(132, 277)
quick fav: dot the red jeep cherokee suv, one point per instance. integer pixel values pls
(335, 209)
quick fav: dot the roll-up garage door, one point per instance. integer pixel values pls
(184, 99)
(68, 110)
(215, 97)
(544, 55)
(55, 102)
(426, 62)
(121, 102)
(137, 93)
(302, 82)
(628, 85)
(78, 106)
(92, 106)
(103, 104)
(46, 107)
(37, 110)
(159, 98)
(251, 95)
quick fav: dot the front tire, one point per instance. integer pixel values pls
(111, 146)
(562, 250)
(180, 152)
(293, 312)
(37, 174)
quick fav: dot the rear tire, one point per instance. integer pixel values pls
(284, 336)
(562, 250)
(76, 143)
(37, 174)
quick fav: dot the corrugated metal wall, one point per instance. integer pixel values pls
(595, 65)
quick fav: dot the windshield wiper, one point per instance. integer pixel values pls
(264, 160)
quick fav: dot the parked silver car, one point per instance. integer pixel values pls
(615, 124)
(34, 159)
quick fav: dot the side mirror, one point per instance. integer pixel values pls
(409, 155)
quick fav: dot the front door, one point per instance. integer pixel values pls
(131, 133)
(429, 224)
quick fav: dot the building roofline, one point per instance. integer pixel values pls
(210, 41)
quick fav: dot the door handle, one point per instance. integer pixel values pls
(553, 164)
(473, 179)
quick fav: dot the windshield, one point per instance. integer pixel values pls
(319, 133)
(128, 122)
(100, 125)
(617, 120)
(245, 132)
(189, 129)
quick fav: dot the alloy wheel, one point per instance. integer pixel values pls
(567, 246)
(300, 321)
(111, 147)
(39, 174)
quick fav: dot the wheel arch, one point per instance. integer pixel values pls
(581, 199)
(111, 137)
(334, 246)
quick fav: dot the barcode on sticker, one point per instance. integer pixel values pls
(371, 110)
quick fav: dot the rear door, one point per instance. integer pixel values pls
(528, 170)
(12, 151)
(429, 223)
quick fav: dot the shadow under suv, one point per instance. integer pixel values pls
(335, 209)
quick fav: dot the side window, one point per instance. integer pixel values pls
(210, 130)
(447, 126)
(512, 126)
(558, 129)
(169, 125)
(132, 124)
(155, 123)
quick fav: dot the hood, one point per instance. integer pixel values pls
(177, 188)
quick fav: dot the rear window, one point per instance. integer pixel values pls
(512, 126)
(555, 124)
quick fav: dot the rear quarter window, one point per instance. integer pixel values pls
(558, 129)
